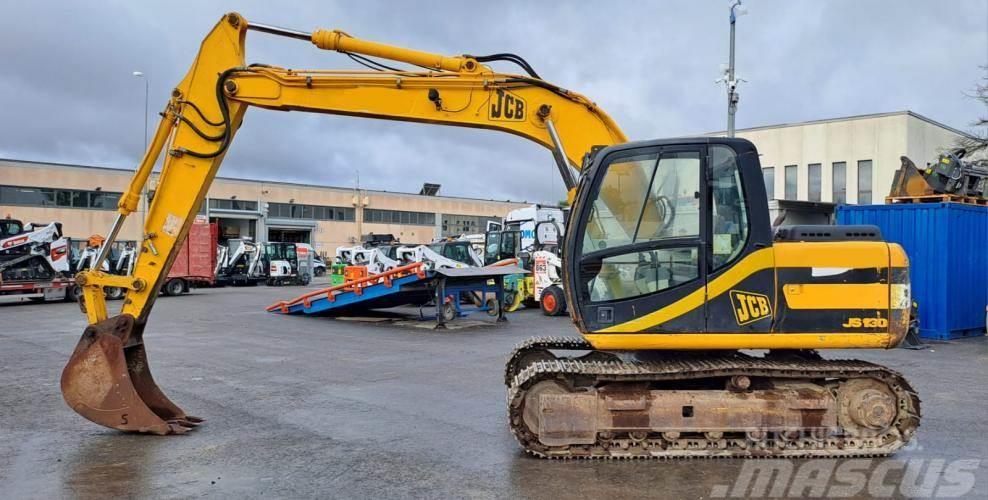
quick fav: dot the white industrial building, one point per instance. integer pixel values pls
(845, 160)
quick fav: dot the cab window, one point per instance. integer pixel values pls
(10, 228)
(730, 216)
(509, 243)
(493, 244)
(645, 198)
(453, 251)
(458, 253)
(641, 273)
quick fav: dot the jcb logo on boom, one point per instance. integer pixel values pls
(506, 106)
(749, 307)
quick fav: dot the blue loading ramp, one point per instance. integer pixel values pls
(406, 285)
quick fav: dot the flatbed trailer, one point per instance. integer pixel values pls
(39, 291)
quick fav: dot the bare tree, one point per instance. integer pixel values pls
(978, 141)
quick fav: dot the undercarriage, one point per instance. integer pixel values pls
(667, 404)
(25, 267)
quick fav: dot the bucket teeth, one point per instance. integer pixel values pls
(189, 422)
(108, 381)
(176, 428)
(183, 425)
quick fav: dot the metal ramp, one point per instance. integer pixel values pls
(402, 285)
(412, 284)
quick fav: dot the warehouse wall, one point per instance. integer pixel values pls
(926, 141)
(880, 138)
(436, 205)
(76, 223)
(326, 235)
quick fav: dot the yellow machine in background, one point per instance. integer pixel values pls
(951, 175)
(670, 270)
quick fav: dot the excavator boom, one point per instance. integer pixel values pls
(197, 127)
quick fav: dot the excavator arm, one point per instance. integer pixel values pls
(107, 379)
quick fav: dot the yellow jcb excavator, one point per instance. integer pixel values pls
(670, 270)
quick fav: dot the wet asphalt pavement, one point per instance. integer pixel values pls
(315, 407)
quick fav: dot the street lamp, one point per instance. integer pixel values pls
(729, 79)
(139, 74)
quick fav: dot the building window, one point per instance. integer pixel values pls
(453, 225)
(815, 181)
(70, 198)
(63, 198)
(379, 216)
(840, 182)
(790, 174)
(768, 173)
(311, 212)
(864, 182)
(221, 204)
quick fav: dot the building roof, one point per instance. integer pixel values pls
(849, 118)
(264, 181)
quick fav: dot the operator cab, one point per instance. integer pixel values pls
(455, 250)
(654, 223)
(10, 227)
(391, 251)
(283, 252)
(500, 245)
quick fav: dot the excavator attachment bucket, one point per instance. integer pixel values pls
(909, 181)
(108, 381)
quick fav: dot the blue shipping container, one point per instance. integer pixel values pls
(947, 245)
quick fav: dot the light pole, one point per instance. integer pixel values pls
(147, 87)
(358, 208)
(140, 75)
(732, 83)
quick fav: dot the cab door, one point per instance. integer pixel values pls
(639, 241)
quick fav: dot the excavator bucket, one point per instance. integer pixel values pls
(108, 381)
(909, 181)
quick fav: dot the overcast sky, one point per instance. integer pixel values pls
(67, 93)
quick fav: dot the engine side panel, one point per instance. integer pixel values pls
(850, 294)
(831, 287)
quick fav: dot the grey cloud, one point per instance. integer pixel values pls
(67, 93)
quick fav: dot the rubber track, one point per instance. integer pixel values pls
(540, 343)
(714, 366)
